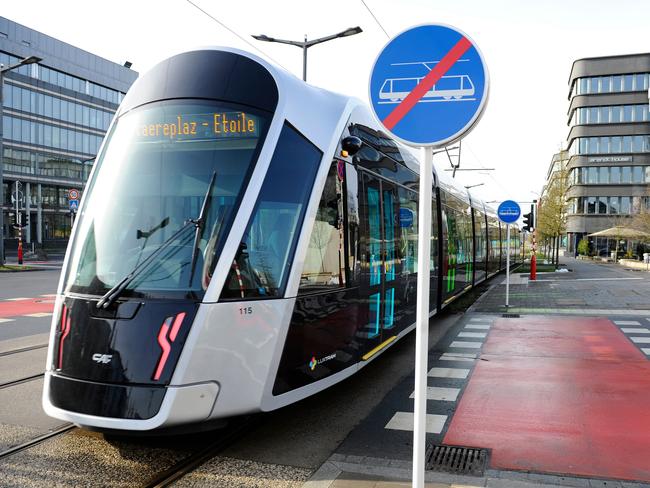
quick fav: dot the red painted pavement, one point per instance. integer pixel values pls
(559, 395)
(24, 307)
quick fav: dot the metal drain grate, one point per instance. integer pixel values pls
(511, 315)
(457, 460)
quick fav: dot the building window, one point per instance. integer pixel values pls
(603, 175)
(625, 205)
(610, 145)
(626, 174)
(591, 205)
(612, 84)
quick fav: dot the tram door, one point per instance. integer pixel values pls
(380, 259)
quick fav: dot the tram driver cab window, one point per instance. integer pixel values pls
(324, 267)
(265, 255)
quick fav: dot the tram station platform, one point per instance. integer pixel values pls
(556, 399)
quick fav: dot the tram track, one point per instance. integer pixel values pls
(23, 349)
(203, 455)
(26, 379)
(36, 440)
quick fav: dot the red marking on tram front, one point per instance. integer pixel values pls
(559, 395)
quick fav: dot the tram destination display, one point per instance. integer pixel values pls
(214, 125)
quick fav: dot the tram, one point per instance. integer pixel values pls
(245, 241)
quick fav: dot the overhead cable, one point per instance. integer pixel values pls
(234, 33)
(373, 16)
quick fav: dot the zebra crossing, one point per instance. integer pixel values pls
(636, 332)
(464, 350)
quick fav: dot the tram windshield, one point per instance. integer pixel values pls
(159, 166)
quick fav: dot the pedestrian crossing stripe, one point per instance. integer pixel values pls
(5, 320)
(17, 299)
(466, 344)
(404, 421)
(634, 330)
(441, 394)
(458, 373)
(457, 356)
(478, 326)
(627, 322)
(640, 340)
(38, 314)
(474, 335)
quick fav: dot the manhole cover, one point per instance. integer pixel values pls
(510, 315)
(458, 460)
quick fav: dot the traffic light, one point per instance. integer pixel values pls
(529, 220)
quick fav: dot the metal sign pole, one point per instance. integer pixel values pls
(422, 318)
(507, 265)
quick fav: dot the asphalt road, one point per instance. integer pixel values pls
(28, 284)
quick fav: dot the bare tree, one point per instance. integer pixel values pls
(641, 221)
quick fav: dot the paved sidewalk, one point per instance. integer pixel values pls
(616, 306)
(590, 287)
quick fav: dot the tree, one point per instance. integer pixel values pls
(583, 247)
(552, 214)
(641, 221)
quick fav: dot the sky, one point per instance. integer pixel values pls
(529, 48)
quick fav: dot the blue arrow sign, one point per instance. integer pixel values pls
(429, 85)
(509, 212)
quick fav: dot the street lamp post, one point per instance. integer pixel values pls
(28, 60)
(304, 45)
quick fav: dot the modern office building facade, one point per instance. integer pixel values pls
(54, 116)
(608, 144)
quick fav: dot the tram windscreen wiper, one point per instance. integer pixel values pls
(200, 223)
(112, 294)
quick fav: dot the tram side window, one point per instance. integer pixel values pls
(408, 221)
(264, 257)
(433, 258)
(324, 267)
(352, 187)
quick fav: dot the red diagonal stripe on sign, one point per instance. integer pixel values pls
(427, 82)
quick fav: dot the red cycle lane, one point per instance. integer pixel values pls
(15, 308)
(559, 395)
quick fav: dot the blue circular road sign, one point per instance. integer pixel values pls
(509, 212)
(429, 85)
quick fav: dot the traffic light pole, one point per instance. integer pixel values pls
(529, 225)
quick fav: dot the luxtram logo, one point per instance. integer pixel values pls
(314, 362)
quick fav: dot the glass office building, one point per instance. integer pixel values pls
(54, 116)
(608, 146)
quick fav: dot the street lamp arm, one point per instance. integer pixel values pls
(347, 32)
(306, 44)
(281, 41)
(22, 62)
